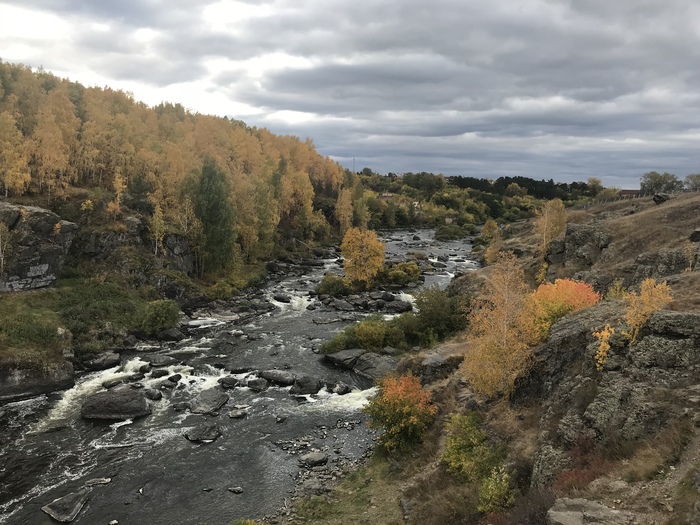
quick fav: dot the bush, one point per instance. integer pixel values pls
(333, 285)
(440, 313)
(403, 273)
(402, 410)
(652, 296)
(160, 315)
(552, 301)
(370, 333)
(450, 232)
(496, 493)
(468, 451)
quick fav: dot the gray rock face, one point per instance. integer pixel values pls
(177, 250)
(306, 385)
(375, 366)
(105, 361)
(208, 401)
(279, 377)
(208, 432)
(67, 508)
(580, 511)
(638, 392)
(40, 245)
(582, 246)
(20, 383)
(120, 404)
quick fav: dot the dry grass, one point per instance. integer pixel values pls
(659, 453)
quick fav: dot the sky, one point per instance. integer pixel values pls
(553, 89)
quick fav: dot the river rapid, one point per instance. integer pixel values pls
(156, 475)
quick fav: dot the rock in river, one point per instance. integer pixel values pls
(279, 377)
(344, 358)
(105, 361)
(122, 403)
(306, 385)
(314, 459)
(208, 432)
(208, 401)
(66, 509)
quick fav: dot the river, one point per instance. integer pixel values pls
(159, 477)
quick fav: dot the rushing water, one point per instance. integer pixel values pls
(157, 476)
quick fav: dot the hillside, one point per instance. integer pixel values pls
(621, 443)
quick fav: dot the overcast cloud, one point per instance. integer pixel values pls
(540, 88)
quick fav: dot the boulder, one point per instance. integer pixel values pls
(660, 198)
(375, 366)
(67, 508)
(313, 459)
(208, 401)
(306, 385)
(578, 511)
(237, 414)
(342, 305)
(228, 382)
(120, 404)
(281, 298)
(104, 361)
(344, 358)
(339, 388)
(258, 384)
(159, 361)
(695, 236)
(153, 395)
(175, 378)
(155, 374)
(111, 383)
(203, 433)
(171, 334)
(40, 245)
(398, 307)
(279, 377)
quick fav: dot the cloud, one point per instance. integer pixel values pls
(542, 88)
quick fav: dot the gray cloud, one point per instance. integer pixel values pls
(541, 88)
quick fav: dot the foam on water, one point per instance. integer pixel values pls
(329, 402)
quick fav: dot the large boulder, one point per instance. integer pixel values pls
(104, 361)
(279, 377)
(67, 508)
(306, 385)
(40, 244)
(344, 358)
(17, 382)
(119, 404)
(204, 433)
(398, 307)
(208, 401)
(375, 366)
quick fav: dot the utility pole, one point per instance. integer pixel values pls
(353, 165)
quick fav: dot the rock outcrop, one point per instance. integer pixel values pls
(21, 383)
(39, 244)
(117, 404)
(580, 511)
(638, 392)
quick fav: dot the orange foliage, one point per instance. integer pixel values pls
(552, 301)
(402, 409)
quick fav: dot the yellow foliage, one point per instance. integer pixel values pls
(616, 290)
(652, 296)
(603, 336)
(363, 253)
(500, 334)
(550, 223)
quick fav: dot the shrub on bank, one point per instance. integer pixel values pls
(160, 315)
(402, 409)
(468, 452)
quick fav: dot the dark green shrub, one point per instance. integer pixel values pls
(160, 315)
(440, 313)
(450, 232)
(468, 452)
(333, 285)
(370, 333)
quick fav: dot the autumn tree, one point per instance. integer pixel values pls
(550, 223)
(344, 210)
(499, 336)
(363, 255)
(639, 307)
(14, 172)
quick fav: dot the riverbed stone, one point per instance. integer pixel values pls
(228, 382)
(237, 414)
(111, 383)
(282, 298)
(67, 508)
(155, 374)
(159, 361)
(398, 307)
(171, 334)
(279, 377)
(208, 401)
(258, 384)
(175, 378)
(314, 459)
(153, 395)
(104, 361)
(306, 385)
(119, 404)
(207, 432)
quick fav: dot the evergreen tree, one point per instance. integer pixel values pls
(213, 208)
